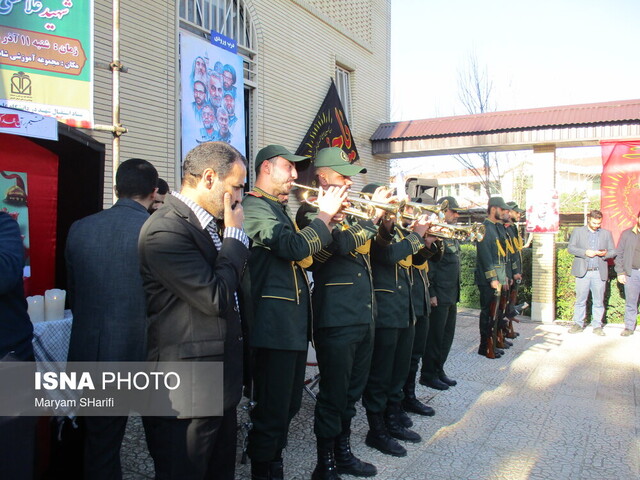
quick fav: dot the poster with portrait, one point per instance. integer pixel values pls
(543, 211)
(13, 200)
(212, 92)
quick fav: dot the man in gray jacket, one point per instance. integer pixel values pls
(628, 269)
(591, 246)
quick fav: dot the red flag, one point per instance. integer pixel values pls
(620, 185)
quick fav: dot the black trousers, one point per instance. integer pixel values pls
(442, 328)
(278, 380)
(344, 358)
(193, 448)
(17, 447)
(102, 442)
(390, 363)
(422, 328)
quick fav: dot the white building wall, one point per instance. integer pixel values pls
(299, 43)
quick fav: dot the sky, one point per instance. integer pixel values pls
(537, 53)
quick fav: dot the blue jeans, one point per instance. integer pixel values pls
(590, 282)
(631, 293)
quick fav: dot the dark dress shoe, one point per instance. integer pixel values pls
(414, 405)
(434, 383)
(449, 381)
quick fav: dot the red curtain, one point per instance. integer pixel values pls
(19, 154)
(620, 185)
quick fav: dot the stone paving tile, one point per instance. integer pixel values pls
(556, 406)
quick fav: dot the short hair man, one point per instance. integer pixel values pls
(209, 130)
(343, 318)
(627, 263)
(591, 246)
(199, 99)
(215, 89)
(223, 134)
(107, 298)
(444, 295)
(158, 197)
(281, 301)
(191, 278)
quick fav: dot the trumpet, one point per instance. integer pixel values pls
(420, 209)
(362, 207)
(474, 232)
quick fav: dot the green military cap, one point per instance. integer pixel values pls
(371, 187)
(514, 206)
(336, 159)
(271, 151)
(498, 202)
(453, 203)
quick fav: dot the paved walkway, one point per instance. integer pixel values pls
(556, 406)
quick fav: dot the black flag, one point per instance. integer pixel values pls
(329, 129)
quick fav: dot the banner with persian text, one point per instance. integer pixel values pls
(620, 185)
(329, 129)
(46, 58)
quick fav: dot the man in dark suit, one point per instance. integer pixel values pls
(191, 278)
(107, 299)
(17, 434)
(279, 331)
(591, 246)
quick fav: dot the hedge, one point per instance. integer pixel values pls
(565, 285)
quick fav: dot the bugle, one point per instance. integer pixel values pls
(419, 209)
(360, 207)
(474, 232)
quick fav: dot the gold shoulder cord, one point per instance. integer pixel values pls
(362, 249)
(405, 262)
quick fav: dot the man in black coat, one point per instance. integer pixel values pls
(191, 277)
(107, 299)
(17, 434)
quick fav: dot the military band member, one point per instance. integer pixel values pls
(516, 265)
(281, 303)
(391, 264)
(420, 296)
(491, 273)
(343, 313)
(444, 291)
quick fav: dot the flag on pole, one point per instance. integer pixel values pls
(329, 129)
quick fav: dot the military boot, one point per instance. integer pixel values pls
(346, 461)
(394, 427)
(379, 438)
(326, 466)
(410, 403)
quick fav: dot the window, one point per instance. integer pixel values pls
(344, 90)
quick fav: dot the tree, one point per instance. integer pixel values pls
(475, 93)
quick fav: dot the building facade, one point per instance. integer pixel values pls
(291, 51)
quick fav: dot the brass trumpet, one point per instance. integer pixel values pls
(420, 209)
(362, 207)
(474, 232)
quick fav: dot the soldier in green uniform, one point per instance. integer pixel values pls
(343, 312)
(444, 292)
(391, 256)
(420, 297)
(280, 301)
(491, 272)
(516, 264)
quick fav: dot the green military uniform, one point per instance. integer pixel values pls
(343, 305)
(281, 311)
(422, 307)
(491, 264)
(444, 278)
(395, 321)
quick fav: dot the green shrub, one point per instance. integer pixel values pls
(469, 295)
